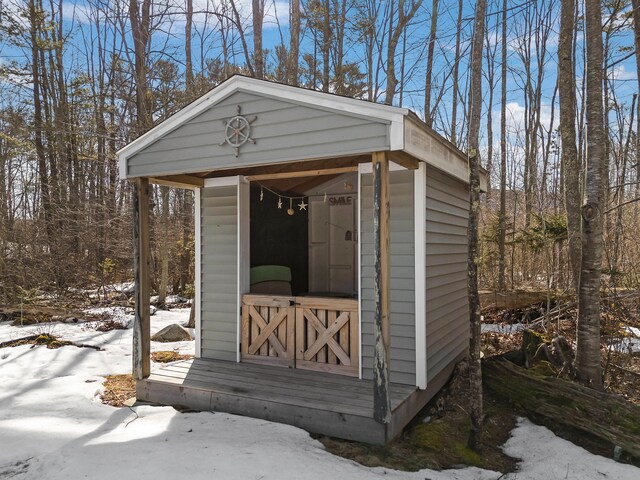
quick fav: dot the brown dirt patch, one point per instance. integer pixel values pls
(109, 325)
(166, 356)
(118, 389)
(32, 314)
(50, 341)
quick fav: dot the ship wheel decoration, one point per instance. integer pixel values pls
(237, 131)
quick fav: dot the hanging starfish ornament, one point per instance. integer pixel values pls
(280, 203)
(302, 205)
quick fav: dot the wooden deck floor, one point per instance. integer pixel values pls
(322, 403)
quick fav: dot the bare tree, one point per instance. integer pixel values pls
(636, 31)
(570, 161)
(475, 107)
(430, 51)
(188, 61)
(502, 215)
(140, 19)
(237, 22)
(294, 42)
(588, 364)
(257, 8)
(456, 69)
(395, 31)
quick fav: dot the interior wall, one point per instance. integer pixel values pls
(278, 238)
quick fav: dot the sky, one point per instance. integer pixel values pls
(168, 43)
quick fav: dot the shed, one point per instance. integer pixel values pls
(358, 210)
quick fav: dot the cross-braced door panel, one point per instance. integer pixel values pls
(268, 329)
(302, 332)
(327, 335)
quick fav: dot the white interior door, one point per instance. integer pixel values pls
(318, 245)
(332, 244)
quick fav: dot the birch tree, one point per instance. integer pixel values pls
(587, 361)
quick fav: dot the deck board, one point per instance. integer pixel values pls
(281, 376)
(319, 402)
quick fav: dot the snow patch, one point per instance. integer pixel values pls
(53, 426)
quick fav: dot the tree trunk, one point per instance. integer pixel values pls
(192, 314)
(490, 68)
(430, 51)
(475, 106)
(588, 364)
(294, 42)
(570, 162)
(394, 37)
(558, 403)
(636, 35)
(456, 69)
(340, 18)
(238, 24)
(140, 31)
(188, 63)
(326, 46)
(257, 8)
(502, 216)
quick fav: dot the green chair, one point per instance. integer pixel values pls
(270, 280)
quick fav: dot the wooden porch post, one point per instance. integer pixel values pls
(142, 324)
(381, 398)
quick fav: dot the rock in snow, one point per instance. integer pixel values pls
(171, 333)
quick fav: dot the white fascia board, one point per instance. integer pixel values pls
(321, 99)
(396, 133)
(394, 115)
(420, 241)
(361, 170)
(122, 166)
(198, 270)
(244, 252)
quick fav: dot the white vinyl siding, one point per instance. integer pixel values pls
(402, 315)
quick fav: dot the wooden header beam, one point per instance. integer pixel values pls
(179, 181)
(304, 173)
(404, 159)
(381, 396)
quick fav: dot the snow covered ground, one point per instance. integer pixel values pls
(53, 426)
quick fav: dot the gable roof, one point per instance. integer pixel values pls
(374, 111)
(405, 131)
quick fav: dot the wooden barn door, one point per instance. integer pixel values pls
(327, 335)
(301, 332)
(268, 330)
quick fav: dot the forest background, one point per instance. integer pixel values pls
(79, 80)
